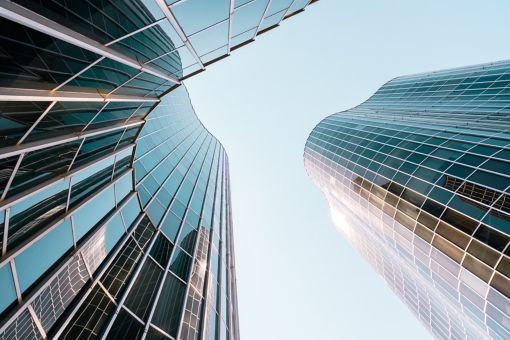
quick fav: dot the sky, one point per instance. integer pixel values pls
(297, 277)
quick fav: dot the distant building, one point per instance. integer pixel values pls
(418, 179)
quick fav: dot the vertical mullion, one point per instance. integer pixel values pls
(45, 112)
(7, 217)
(13, 174)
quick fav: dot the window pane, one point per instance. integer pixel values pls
(144, 290)
(180, 264)
(38, 258)
(8, 294)
(88, 322)
(93, 212)
(168, 310)
(125, 327)
(161, 250)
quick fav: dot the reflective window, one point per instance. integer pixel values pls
(114, 231)
(161, 250)
(491, 237)
(54, 63)
(125, 327)
(92, 213)
(187, 238)
(168, 310)
(88, 181)
(29, 215)
(143, 232)
(123, 187)
(210, 39)
(248, 17)
(91, 317)
(194, 15)
(40, 256)
(117, 274)
(143, 292)
(16, 118)
(170, 226)
(8, 294)
(41, 165)
(96, 146)
(131, 211)
(180, 264)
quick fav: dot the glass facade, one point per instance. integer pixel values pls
(418, 180)
(114, 198)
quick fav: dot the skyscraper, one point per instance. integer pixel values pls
(114, 198)
(418, 180)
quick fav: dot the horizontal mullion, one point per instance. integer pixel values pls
(35, 95)
(9, 202)
(11, 254)
(47, 281)
(46, 143)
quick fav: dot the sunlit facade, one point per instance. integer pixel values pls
(418, 180)
(115, 214)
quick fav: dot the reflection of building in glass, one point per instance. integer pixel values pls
(418, 178)
(114, 198)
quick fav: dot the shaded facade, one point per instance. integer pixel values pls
(418, 180)
(114, 199)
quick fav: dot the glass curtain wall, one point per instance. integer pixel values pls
(418, 179)
(114, 198)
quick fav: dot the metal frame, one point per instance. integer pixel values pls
(263, 17)
(9, 202)
(212, 147)
(11, 254)
(38, 145)
(6, 230)
(37, 321)
(33, 95)
(421, 122)
(77, 74)
(230, 23)
(26, 17)
(11, 178)
(204, 311)
(141, 180)
(25, 302)
(146, 255)
(100, 273)
(155, 23)
(188, 285)
(45, 112)
(173, 21)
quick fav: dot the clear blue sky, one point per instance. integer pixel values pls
(298, 278)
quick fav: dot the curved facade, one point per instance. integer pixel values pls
(114, 199)
(418, 179)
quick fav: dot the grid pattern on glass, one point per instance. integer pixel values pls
(169, 41)
(199, 199)
(79, 80)
(422, 164)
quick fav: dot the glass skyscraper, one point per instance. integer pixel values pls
(418, 180)
(115, 214)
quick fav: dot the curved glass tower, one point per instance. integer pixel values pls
(114, 199)
(418, 180)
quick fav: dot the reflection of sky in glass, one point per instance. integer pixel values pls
(8, 294)
(39, 257)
